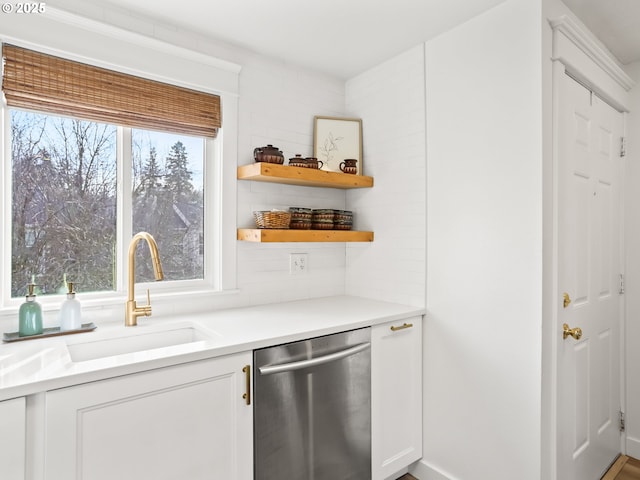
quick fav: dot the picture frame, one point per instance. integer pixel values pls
(336, 139)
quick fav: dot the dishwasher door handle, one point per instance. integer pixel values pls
(312, 362)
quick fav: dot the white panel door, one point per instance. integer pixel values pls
(589, 264)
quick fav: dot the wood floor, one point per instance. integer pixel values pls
(625, 468)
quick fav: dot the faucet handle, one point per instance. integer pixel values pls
(146, 310)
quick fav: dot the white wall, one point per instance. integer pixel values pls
(277, 105)
(482, 353)
(632, 242)
(390, 100)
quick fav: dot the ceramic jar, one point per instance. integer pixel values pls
(297, 161)
(268, 154)
(313, 162)
(350, 165)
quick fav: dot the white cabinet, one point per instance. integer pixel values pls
(12, 439)
(396, 396)
(185, 421)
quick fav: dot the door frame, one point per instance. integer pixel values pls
(575, 51)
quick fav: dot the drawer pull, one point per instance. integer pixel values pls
(401, 327)
(247, 394)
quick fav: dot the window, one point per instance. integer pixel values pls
(168, 200)
(63, 205)
(67, 205)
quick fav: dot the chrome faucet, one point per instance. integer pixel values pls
(132, 311)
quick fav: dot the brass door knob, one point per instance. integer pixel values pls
(566, 300)
(571, 332)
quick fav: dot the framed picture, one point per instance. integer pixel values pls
(336, 140)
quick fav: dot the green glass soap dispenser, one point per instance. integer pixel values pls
(30, 315)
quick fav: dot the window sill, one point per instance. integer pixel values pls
(110, 307)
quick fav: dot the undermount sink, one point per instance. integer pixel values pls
(133, 343)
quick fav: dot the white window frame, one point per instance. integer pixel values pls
(212, 281)
(212, 216)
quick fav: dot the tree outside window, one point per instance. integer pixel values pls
(168, 201)
(64, 199)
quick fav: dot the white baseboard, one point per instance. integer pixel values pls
(422, 471)
(633, 447)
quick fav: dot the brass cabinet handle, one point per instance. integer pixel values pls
(401, 327)
(247, 394)
(575, 333)
(566, 300)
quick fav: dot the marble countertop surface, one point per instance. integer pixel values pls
(37, 365)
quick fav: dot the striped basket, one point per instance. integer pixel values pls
(272, 219)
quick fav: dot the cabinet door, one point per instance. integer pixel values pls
(12, 439)
(396, 396)
(185, 421)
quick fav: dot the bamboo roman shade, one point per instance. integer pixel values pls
(51, 84)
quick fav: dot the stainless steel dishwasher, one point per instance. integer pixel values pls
(312, 409)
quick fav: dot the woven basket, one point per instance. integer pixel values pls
(272, 219)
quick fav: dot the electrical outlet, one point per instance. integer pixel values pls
(298, 263)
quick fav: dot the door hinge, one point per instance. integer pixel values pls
(623, 147)
(621, 284)
(621, 421)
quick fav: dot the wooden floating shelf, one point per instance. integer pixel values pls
(309, 177)
(273, 235)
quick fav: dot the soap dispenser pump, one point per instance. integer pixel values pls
(70, 312)
(30, 314)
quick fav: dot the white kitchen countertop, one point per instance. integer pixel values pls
(37, 365)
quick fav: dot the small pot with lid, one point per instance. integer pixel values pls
(297, 161)
(268, 154)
